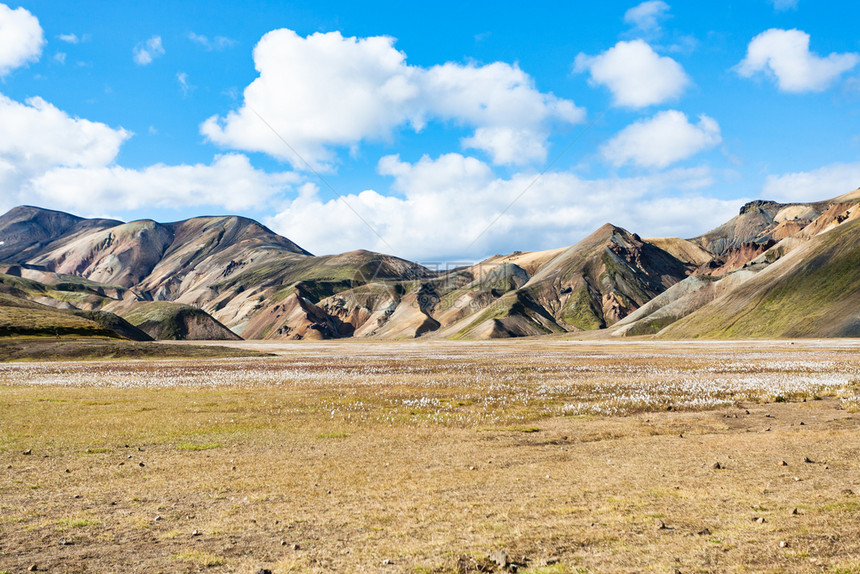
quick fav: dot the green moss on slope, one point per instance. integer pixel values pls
(24, 318)
(162, 320)
(504, 307)
(580, 311)
(819, 297)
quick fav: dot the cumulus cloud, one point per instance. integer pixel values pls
(444, 175)
(647, 15)
(145, 52)
(437, 209)
(635, 74)
(324, 91)
(37, 135)
(785, 56)
(229, 181)
(69, 163)
(69, 38)
(822, 183)
(500, 100)
(444, 204)
(21, 39)
(507, 145)
(216, 43)
(660, 141)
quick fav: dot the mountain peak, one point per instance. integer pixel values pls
(606, 232)
(608, 227)
(26, 229)
(760, 204)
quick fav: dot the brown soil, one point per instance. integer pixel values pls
(268, 479)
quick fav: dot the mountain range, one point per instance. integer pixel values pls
(774, 270)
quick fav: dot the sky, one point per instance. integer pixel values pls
(441, 132)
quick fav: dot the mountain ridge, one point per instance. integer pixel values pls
(237, 278)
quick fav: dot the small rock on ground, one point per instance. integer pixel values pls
(500, 557)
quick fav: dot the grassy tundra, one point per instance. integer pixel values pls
(351, 457)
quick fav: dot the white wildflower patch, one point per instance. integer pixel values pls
(486, 383)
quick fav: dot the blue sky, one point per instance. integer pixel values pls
(444, 132)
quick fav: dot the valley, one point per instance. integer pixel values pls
(436, 457)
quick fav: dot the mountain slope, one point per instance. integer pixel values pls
(24, 318)
(758, 222)
(814, 291)
(162, 320)
(26, 230)
(603, 278)
(215, 277)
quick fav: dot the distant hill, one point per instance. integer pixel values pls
(812, 290)
(799, 276)
(773, 270)
(23, 318)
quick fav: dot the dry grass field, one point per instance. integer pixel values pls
(425, 457)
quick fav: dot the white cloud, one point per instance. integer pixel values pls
(184, 84)
(816, 185)
(507, 145)
(445, 175)
(229, 181)
(60, 58)
(216, 43)
(438, 208)
(145, 52)
(69, 38)
(647, 15)
(37, 135)
(781, 5)
(320, 91)
(660, 141)
(635, 74)
(785, 55)
(69, 163)
(21, 39)
(325, 91)
(510, 115)
(443, 205)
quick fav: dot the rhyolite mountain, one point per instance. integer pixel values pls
(773, 270)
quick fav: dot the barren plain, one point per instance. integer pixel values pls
(551, 455)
